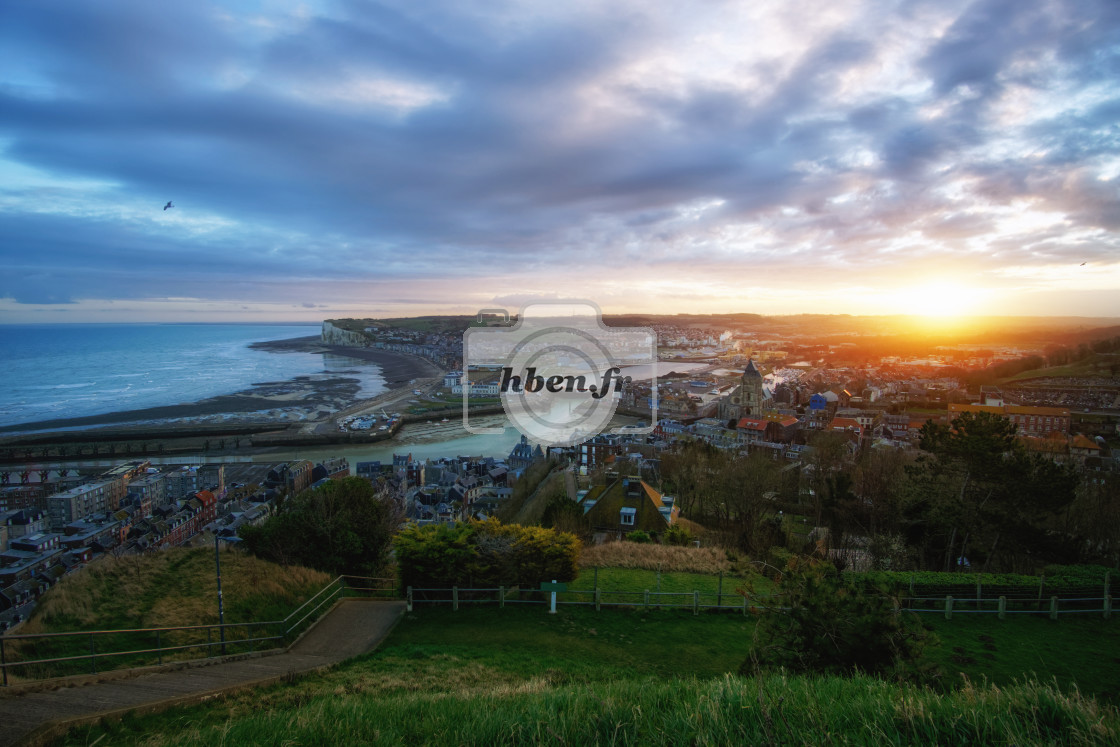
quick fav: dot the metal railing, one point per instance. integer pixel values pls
(39, 656)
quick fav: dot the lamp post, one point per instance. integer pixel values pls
(221, 611)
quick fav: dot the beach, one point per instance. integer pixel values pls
(301, 400)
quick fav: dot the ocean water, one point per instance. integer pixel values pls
(50, 371)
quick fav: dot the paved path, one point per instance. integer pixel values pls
(352, 628)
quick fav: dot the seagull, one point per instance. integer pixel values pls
(1082, 264)
(168, 205)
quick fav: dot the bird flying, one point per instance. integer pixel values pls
(168, 205)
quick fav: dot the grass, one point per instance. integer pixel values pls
(172, 588)
(1081, 651)
(519, 675)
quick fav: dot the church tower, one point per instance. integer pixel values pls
(747, 399)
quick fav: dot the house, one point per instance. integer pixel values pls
(823, 400)
(782, 428)
(523, 455)
(597, 451)
(751, 429)
(850, 425)
(627, 504)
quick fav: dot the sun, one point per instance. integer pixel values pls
(938, 301)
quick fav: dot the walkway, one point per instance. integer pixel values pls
(352, 628)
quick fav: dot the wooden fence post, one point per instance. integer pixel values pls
(408, 599)
(1053, 608)
(948, 608)
(598, 599)
(1002, 607)
(695, 602)
(1107, 607)
(647, 598)
(454, 598)
(744, 606)
(719, 592)
(501, 597)
(979, 595)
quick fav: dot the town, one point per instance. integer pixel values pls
(782, 397)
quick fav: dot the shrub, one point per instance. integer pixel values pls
(677, 535)
(484, 553)
(820, 622)
(639, 536)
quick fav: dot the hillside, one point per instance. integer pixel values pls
(171, 588)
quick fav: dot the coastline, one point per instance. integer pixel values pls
(280, 404)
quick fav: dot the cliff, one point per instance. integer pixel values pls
(332, 335)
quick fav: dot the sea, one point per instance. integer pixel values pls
(50, 371)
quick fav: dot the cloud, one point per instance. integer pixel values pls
(445, 155)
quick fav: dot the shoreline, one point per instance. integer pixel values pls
(302, 400)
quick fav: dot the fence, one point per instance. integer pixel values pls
(38, 656)
(1073, 601)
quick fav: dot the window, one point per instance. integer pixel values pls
(626, 516)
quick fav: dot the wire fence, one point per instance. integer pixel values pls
(1020, 603)
(40, 656)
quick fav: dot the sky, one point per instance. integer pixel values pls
(354, 158)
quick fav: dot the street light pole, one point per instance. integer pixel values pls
(221, 611)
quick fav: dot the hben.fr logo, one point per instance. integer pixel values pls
(561, 369)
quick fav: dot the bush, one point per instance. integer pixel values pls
(639, 536)
(678, 535)
(484, 554)
(821, 623)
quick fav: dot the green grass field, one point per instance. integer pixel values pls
(518, 675)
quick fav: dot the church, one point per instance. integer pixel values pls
(748, 399)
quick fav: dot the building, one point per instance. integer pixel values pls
(597, 451)
(628, 504)
(822, 401)
(1031, 421)
(749, 398)
(78, 503)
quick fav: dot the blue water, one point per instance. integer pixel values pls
(52, 371)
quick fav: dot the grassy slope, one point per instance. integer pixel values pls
(485, 675)
(167, 589)
(170, 588)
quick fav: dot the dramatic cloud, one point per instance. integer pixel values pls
(358, 157)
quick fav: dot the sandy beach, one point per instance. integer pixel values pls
(304, 399)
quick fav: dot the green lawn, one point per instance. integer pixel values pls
(520, 675)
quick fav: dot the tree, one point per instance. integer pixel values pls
(828, 455)
(977, 495)
(343, 526)
(725, 490)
